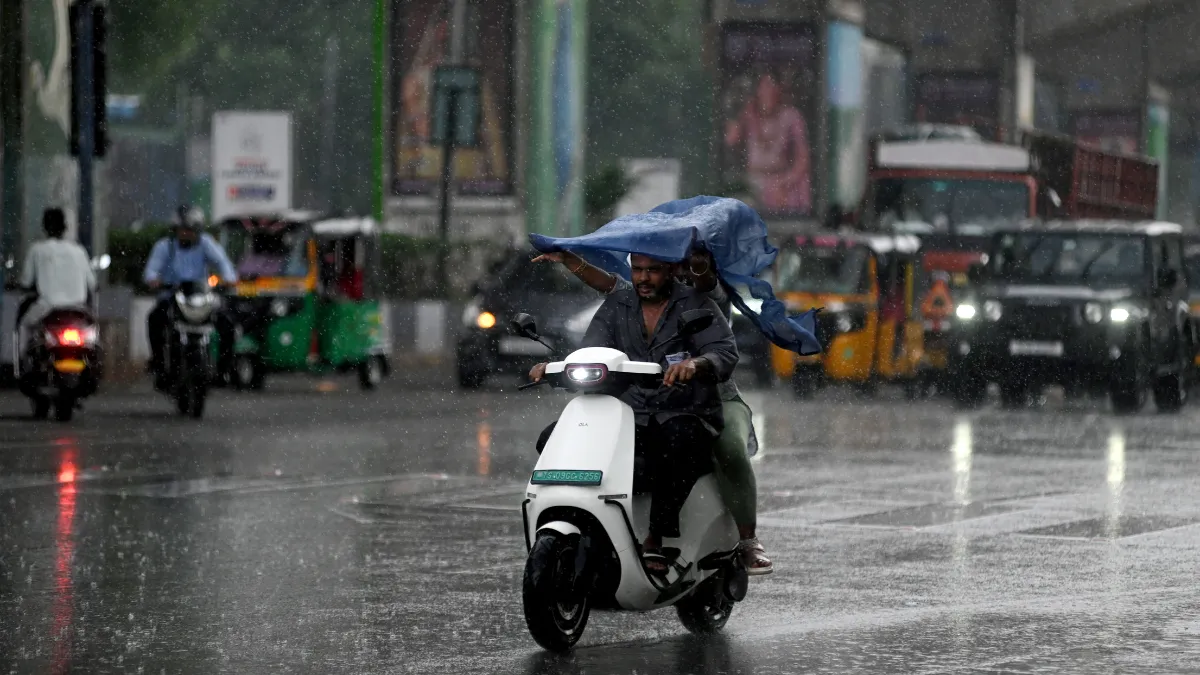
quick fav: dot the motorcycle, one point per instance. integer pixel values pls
(584, 520)
(62, 365)
(62, 362)
(187, 364)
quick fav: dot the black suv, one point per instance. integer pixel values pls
(1088, 305)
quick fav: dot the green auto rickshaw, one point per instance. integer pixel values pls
(303, 301)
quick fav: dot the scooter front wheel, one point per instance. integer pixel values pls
(555, 619)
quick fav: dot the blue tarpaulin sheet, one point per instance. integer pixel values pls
(729, 229)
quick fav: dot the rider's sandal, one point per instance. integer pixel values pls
(754, 557)
(656, 564)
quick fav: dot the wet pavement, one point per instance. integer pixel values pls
(313, 528)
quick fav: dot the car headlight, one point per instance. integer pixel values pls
(1119, 314)
(965, 311)
(486, 320)
(993, 310)
(1093, 313)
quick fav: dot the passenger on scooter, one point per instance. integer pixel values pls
(677, 423)
(57, 274)
(186, 256)
(735, 476)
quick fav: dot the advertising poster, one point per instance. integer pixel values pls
(420, 43)
(769, 98)
(557, 138)
(251, 163)
(968, 99)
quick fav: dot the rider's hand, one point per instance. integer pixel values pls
(538, 372)
(556, 256)
(681, 372)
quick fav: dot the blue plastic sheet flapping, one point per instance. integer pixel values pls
(729, 229)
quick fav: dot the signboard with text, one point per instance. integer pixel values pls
(251, 163)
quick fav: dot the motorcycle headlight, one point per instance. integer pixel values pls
(1126, 313)
(1093, 313)
(993, 310)
(1119, 314)
(965, 311)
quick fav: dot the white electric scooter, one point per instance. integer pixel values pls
(584, 523)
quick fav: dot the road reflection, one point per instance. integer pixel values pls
(686, 655)
(63, 610)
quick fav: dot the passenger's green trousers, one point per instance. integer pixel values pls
(735, 476)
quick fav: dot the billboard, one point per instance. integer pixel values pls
(555, 193)
(770, 97)
(420, 43)
(251, 163)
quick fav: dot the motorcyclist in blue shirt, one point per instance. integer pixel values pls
(187, 255)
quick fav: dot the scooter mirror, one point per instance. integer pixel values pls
(524, 325)
(695, 320)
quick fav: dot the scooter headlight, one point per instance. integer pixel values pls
(586, 374)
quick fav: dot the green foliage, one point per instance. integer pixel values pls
(649, 94)
(130, 250)
(604, 189)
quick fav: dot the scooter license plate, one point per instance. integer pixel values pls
(69, 366)
(566, 477)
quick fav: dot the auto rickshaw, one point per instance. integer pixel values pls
(941, 279)
(301, 302)
(869, 325)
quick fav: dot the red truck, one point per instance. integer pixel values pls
(950, 180)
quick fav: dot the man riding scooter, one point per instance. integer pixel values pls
(678, 423)
(735, 476)
(186, 256)
(57, 272)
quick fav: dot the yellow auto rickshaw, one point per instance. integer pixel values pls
(869, 325)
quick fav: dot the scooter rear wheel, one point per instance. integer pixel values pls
(707, 609)
(555, 620)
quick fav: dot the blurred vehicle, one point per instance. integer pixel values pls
(302, 302)
(948, 179)
(942, 280)
(1088, 304)
(561, 305)
(61, 364)
(187, 352)
(869, 325)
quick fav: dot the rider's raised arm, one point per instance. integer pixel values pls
(601, 331)
(715, 347)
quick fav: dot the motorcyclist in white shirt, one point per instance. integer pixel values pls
(57, 273)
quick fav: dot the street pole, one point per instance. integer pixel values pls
(458, 20)
(444, 194)
(86, 92)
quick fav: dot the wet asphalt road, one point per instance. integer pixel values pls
(312, 531)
